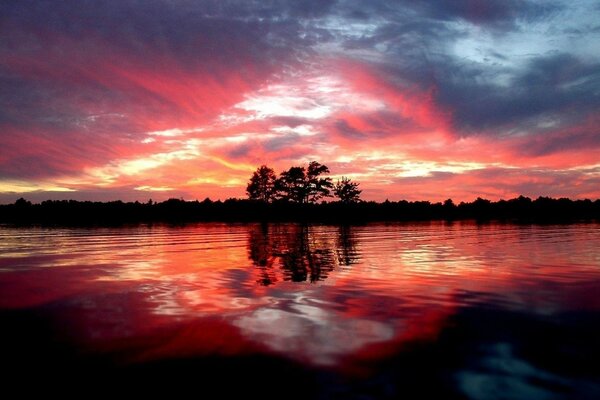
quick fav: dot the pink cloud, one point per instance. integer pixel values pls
(125, 123)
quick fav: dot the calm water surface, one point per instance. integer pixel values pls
(458, 310)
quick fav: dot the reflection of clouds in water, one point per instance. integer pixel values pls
(313, 333)
(430, 257)
(500, 370)
(202, 294)
(200, 302)
(354, 286)
(133, 271)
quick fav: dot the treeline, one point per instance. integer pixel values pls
(71, 212)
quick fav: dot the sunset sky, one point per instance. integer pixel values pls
(416, 100)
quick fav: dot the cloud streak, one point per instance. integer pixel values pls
(136, 99)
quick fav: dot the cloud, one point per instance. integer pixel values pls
(113, 96)
(84, 84)
(558, 87)
(491, 12)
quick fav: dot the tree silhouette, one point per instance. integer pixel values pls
(291, 185)
(317, 187)
(304, 185)
(262, 184)
(347, 191)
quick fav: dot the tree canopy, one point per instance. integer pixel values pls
(298, 184)
(291, 185)
(317, 187)
(262, 185)
(347, 191)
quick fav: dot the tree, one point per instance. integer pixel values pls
(347, 191)
(449, 204)
(262, 184)
(22, 203)
(317, 187)
(291, 185)
(304, 185)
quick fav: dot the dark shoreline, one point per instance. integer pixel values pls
(520, 210)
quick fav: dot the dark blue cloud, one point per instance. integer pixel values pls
(417, 43)
(184, 30)
(485, 12)
(559, 86)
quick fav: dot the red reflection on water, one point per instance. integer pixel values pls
(41, 286)
(336, 296)
(200, 337)
(420, 329)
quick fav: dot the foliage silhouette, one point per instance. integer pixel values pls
(317, 187)
(304, 185)
(291, 185)
(347, 191)
(262, 185)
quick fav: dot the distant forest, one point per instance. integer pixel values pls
(71, 212)
(297, 195)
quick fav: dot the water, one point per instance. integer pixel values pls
(450, 310)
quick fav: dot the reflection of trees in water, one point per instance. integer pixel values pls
(305, 255)
(299, 252)
(346, 248)
(260, 251)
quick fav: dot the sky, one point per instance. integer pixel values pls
(415, 100)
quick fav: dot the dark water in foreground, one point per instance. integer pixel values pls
(288, 311)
